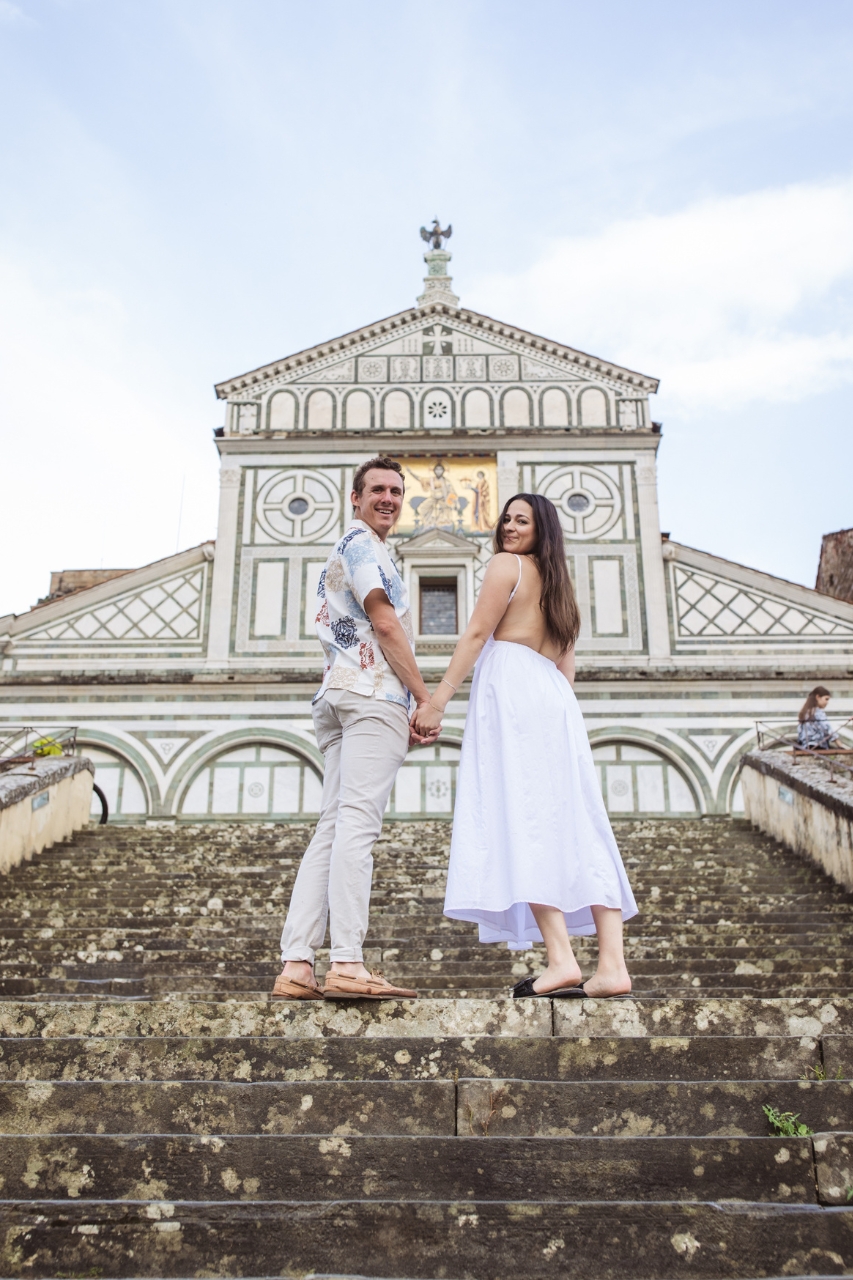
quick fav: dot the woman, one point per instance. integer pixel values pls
(815, 730)
(533, 856)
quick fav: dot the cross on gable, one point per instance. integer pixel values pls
(438, 340)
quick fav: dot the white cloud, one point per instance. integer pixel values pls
(10, 12)
(720, 300)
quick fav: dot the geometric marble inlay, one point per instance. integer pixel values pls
(709, 744)
(167, 610)
(167, 747)
(709, 606)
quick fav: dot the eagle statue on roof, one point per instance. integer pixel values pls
(434, 237)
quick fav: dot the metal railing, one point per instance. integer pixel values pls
(23, 744)
(779, 735)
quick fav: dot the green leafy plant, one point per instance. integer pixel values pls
(784, 1123)
(47, 747)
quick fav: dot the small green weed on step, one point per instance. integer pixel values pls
(784, 1123)
(819, 1073)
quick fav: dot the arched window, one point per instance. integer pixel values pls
(516, 408)
(282, 411)
(638, 780)
(436, 409)
(477, 409)
(321, 411)
(593, 407)
(426, 784)
(120, 783)
(555, 408)
(396, 411)
(357, 411)
(254, 781)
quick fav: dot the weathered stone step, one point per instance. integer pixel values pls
(396, 1057)
(784, 1016)
(477, 1108)
(322, 1107)
(577, 1241)
(737, 971)
(276, 1167)
(640, 1108)
(256, 989)
(43, 945)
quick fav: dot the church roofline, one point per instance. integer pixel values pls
(386, 327)
(757, 578)
(90, 597)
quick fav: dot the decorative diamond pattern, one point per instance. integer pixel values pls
(709, 606)
(169, 610)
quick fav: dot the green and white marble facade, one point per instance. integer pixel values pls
(191, 679)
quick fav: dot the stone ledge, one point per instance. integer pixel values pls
(807, 777)
(30, 779)
(42, 803)
(809, 813)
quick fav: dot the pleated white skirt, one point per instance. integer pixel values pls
(529, 822)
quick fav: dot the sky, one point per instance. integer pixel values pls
(192, 188)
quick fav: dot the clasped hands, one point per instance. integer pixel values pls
(425, 724)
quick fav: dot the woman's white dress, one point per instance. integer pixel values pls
(529, 821)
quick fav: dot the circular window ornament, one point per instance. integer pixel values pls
(577, 502)
(255, 789)
(588, 500)
(619, 787)
(437, 409)
(297, 506)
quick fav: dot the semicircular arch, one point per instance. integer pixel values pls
(641, 774)
(260, 773)
(122, 773)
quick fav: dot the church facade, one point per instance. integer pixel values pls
(191, 679)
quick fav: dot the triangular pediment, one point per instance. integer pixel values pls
(436, 540)
(162, 602)
(485, 350)
(718, 601)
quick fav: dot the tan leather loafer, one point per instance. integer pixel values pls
(341, 987)
(291, 989)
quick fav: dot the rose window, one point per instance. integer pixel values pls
(588, 500)
(297, 506)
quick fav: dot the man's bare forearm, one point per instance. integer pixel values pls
(395, 646)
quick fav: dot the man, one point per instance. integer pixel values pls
(361, 717)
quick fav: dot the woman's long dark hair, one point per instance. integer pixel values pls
(809, 707)
(557, 597)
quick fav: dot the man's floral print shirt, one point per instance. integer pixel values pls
(358, 565)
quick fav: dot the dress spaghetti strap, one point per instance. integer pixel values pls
(518, 583)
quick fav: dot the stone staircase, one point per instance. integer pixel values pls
(161, 1117)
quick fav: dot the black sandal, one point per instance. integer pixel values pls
(525, 989)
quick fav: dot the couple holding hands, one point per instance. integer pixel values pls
(533, 857)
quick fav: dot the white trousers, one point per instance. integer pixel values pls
(364, 741)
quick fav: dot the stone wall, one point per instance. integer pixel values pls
(795, 800)
(41, 803)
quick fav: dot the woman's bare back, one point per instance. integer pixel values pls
(523, 622)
